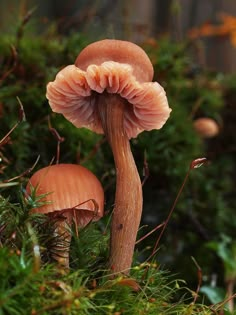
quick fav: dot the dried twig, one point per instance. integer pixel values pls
(14, 57)
(149, 233)
(199, 273)
(26, 172)
(58, 137)
(21, 117)
(21, 27)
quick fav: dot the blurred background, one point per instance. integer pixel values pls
(138, 20)
(192, 44)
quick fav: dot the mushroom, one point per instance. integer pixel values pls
(68, 192)
(109, 90)
(206, 127)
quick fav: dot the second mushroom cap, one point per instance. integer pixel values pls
(68, 188)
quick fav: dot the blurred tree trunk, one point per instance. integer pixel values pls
(135, 20)
(218, 52)
(139, 19)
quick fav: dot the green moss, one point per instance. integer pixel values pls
(86, 288)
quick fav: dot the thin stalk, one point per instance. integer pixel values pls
(169, 215)
(194, 164)
(128, 199)
(230, 293)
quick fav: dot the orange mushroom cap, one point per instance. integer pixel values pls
(116, 67)
(206, 127)
(68, 187)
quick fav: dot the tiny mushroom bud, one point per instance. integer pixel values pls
(69, 193)
(206, 127)
(109, 90)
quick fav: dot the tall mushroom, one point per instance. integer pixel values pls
(109, 90)
(69, 192)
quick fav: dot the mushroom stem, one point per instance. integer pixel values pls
(62, 235)
(128, 199)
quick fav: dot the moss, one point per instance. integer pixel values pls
(205, 205)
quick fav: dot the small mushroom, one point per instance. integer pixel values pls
(69, 193)
(109, 90)
(206, 127)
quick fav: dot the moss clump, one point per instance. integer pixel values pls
(31, 285)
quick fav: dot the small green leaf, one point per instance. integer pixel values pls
(214, 294)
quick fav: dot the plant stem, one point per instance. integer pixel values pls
(230, 294)
(128, 199)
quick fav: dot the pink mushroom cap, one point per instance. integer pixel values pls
(116, 67)
(119, 51)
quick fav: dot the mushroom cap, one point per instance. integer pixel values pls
(206, 127)
(75, 90)
(68, 187)
(119, 51)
